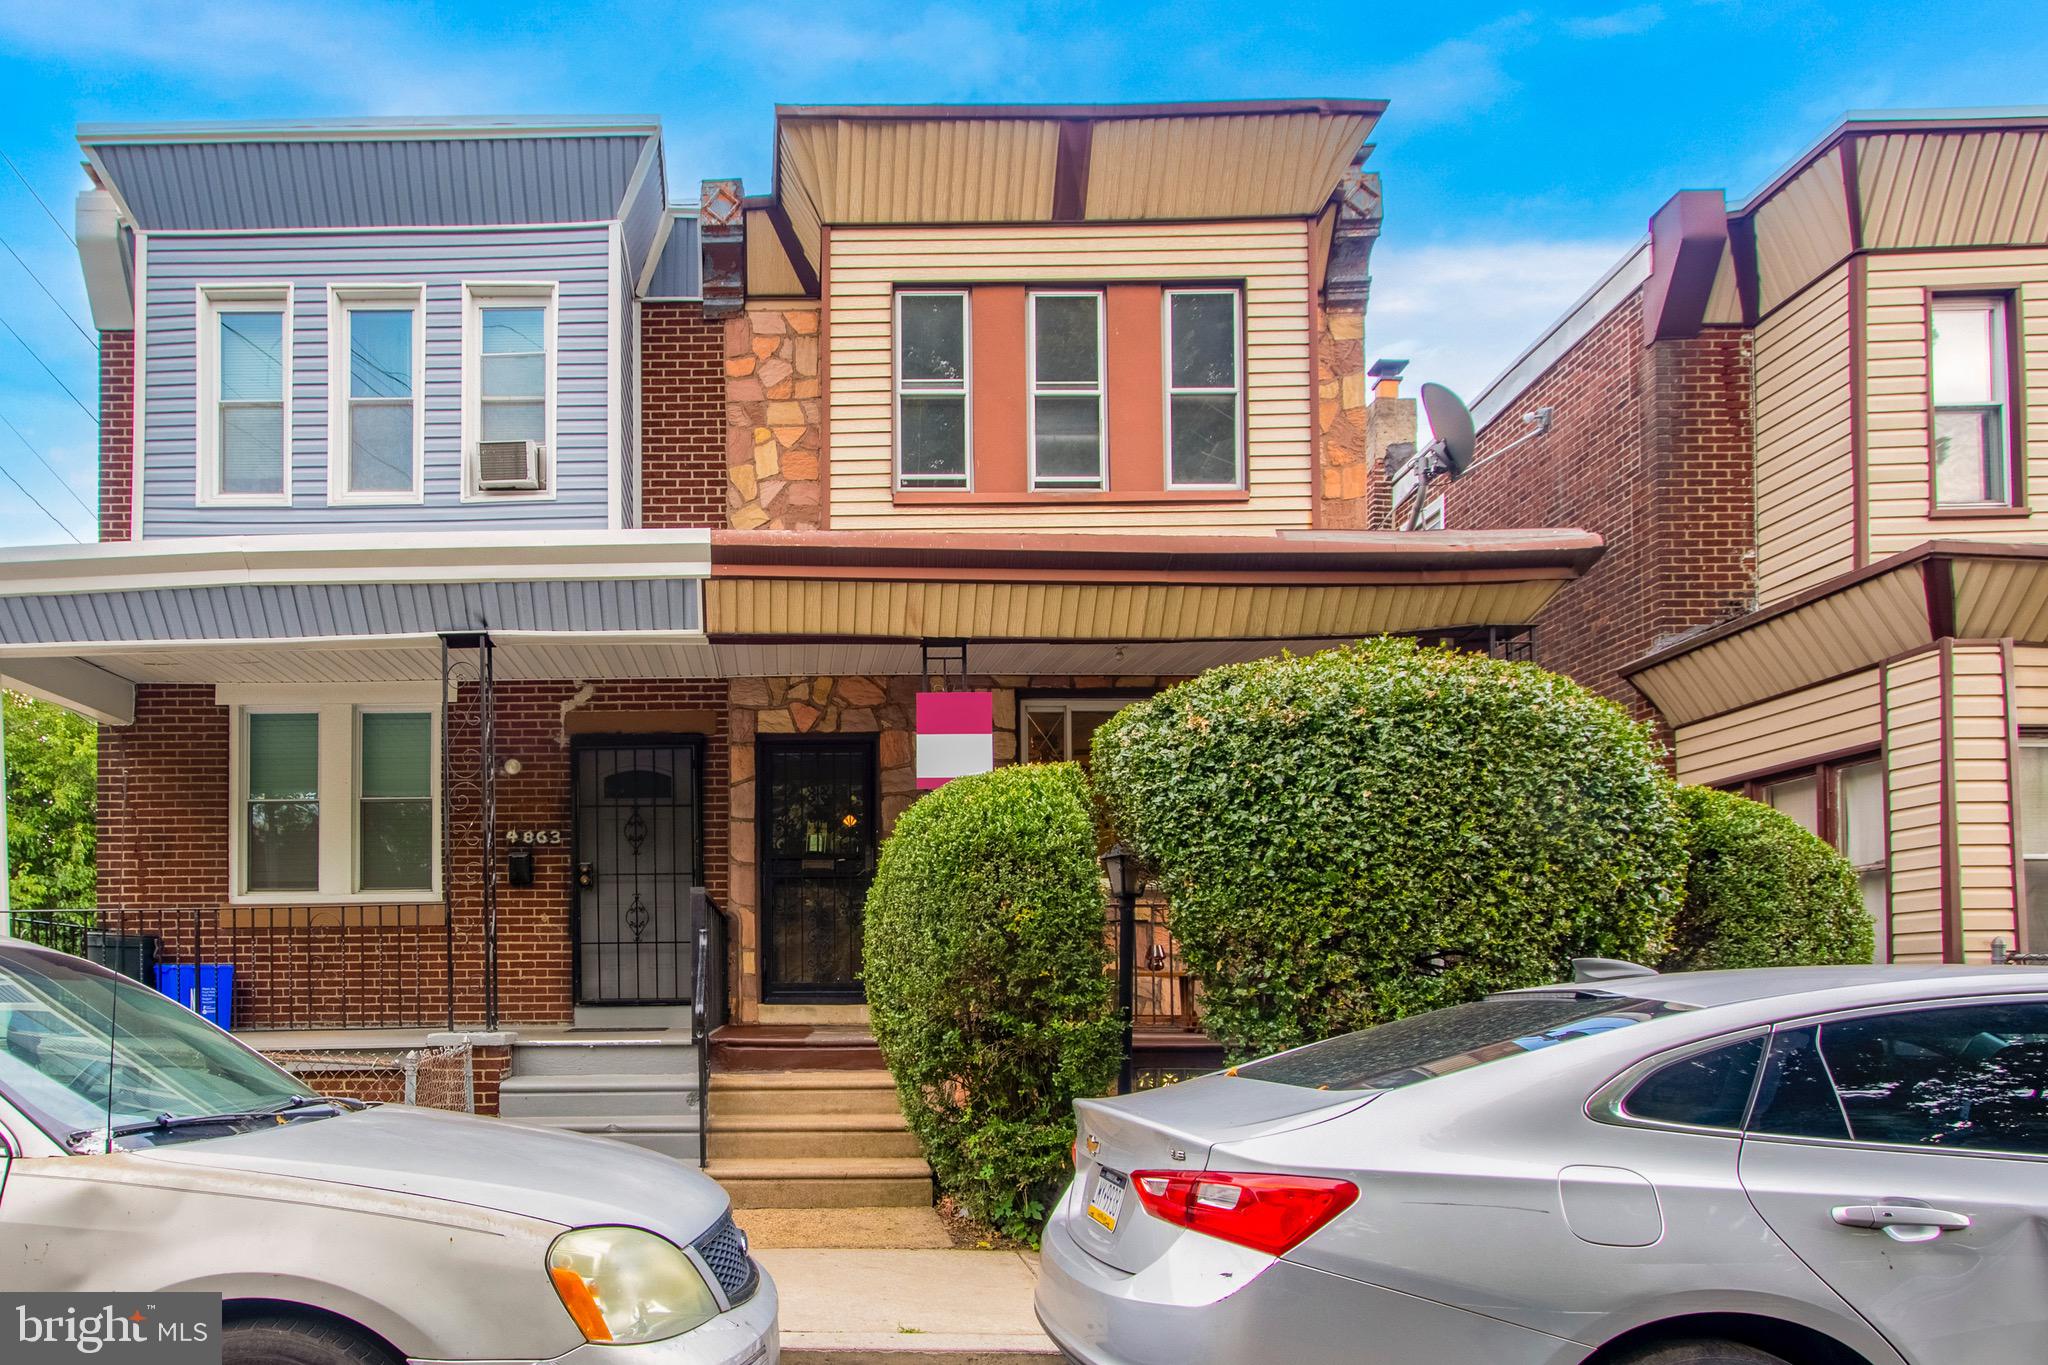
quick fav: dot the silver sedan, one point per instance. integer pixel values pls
(1821, 1166)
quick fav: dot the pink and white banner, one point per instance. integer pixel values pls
(956, 736)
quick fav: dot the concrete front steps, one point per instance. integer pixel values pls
(814, 1139)
(637, 1088)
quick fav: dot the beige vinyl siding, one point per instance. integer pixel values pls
(1805, 457)
(1914, 790)
(1981, 757)
(1896, 423)
(2030, 685)
(1831, 718)
(1270, 257)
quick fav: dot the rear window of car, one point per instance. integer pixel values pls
(1440, 1042)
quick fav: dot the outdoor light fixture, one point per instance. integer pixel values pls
(1116, 862)
(512, 767)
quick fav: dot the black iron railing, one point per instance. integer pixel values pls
(287, 967)
(707, 1005)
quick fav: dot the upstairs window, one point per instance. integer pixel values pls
(1204, 389)
(1972, 465)
(377, 420)
(509, 376)
(515, 366)
(932, 419)
(244, 378)
(1067, 391)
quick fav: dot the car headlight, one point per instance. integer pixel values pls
(626, 1285)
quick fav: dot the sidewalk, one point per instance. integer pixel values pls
(921, 1304)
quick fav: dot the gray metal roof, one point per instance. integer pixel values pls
(258, 612)
(419, 180)
(679, 274)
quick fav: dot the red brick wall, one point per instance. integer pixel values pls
(682, 416)
(117, 435)
(1650, 447)
(164, 814)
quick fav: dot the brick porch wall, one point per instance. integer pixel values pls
(117, 435)
(1650, 447)
(163, 846)
(682, 416)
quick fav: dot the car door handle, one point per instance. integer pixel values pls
(1902, 1222)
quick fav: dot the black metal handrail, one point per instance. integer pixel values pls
(700, 1012)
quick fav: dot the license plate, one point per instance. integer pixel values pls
(1108, 1200)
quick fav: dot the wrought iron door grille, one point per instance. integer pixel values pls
(637, 842)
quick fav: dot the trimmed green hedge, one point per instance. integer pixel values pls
(1324, 825)
(1762, 892)
(988, 983)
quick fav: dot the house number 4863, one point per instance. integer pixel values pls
(533, 836)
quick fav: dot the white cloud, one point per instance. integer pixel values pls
(1625, 23)
(1456, 78)
(348, 54)
(1460, 312)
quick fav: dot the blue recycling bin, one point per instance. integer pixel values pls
(207, 988)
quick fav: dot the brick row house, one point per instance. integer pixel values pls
(1812, 430)
(518, 593)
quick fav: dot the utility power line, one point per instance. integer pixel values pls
(4, 473)
(38, 198)
(50, 372)
(79, 326)
(62, 482)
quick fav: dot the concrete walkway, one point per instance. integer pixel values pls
(907, 1307)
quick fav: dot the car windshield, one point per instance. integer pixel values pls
(1442, 1041)
(86, 1050)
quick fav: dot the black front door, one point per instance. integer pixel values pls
(817, 830)
(637, 842)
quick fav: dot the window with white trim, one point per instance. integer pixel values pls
(244, 379)
(1972, 466)
(336, 800)
(377, 418)
(510, 369)
(933, 416)
(1068, 396)
(1204, 390)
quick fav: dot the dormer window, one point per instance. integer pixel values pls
(244, 377)
(1067, 391)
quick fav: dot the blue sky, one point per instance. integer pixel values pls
(1524, 150)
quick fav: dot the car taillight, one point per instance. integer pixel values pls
(1267, 1212)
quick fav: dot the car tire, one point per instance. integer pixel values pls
(1698, 1353)
(283, 1340)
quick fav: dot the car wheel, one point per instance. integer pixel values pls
(1698, 1353)
(281, 1340)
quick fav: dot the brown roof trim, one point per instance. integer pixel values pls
(1184, 109)
(1932, 552)
(1388, 556)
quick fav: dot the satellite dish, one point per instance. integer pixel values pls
(1451, 423)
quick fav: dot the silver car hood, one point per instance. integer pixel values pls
(531, 1172)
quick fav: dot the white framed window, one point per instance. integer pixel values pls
(337, 797)
(1972, 465)
(1068, 396)
(375, 379)
(1433, 514)
(1204, 389)
(1061, 729)
(510, 359)
(244, 379)
(934, 361)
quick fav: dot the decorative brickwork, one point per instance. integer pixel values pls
(117, 435)
(1650, 447)
(774, 423)
(682, 416)
(1341, 419)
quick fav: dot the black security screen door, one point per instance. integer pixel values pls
(817, 823)
(636, 859)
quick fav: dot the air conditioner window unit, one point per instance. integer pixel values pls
(510, 466)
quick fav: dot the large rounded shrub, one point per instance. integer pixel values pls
(988, 985)
(1762, 892)
(1326, 826)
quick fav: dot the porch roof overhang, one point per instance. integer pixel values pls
(1942, 589)
(794, 602)
(80, 626)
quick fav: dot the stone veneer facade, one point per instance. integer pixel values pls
(774, 419)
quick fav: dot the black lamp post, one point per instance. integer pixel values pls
(1121, 866)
